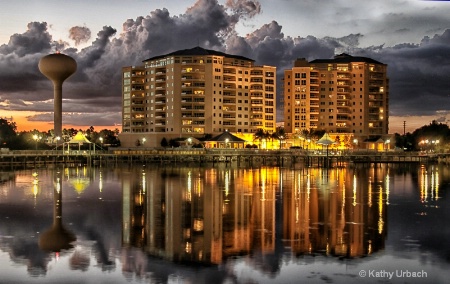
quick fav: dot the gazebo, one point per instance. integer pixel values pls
(78, 139)
(225, 140)
(326, 140)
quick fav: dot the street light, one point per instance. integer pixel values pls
(101, 141)
(355, 141)
(57, 142)
(143, 141)
(36, 138)
(387, 144)
(281, 141)
(226, 142)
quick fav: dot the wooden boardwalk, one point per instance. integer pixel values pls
(249, 157)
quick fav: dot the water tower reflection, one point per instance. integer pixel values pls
(208, 215)
(57, 238)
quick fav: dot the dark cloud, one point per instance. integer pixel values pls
(35, 40)
(79, 34)
(244, 8)
(419, 80)
(418, 71)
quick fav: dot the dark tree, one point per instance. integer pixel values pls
(164, 142)
(7, 133)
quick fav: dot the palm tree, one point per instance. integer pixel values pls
(279, 134)
(259, 135)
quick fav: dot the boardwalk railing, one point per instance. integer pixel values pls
(132, 155)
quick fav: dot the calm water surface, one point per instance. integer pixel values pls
(190, 224)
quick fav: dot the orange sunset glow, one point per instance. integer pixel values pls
(21, 118)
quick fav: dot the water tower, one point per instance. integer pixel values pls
(57, 67)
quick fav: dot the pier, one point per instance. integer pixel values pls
(244, 157)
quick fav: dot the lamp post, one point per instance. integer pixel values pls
(189, 142)
(36, 138)
(226, 142)
(355, 141)
(57, 142)
(281, 141)
(434, 144)
(143, 140)
(387, 144)
(101, 141)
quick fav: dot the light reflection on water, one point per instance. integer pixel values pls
(185, 224)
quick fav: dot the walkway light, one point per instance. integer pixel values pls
(36, 138)
(387, 143)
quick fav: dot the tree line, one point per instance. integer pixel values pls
(420, 139)
(26, 140)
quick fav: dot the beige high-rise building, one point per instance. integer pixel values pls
(197, 91)
(345, 94)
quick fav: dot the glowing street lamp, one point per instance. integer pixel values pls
(226, 142)
(387, 142)
(101, 141)
(36, 138)
(57, 142)
(143, 141)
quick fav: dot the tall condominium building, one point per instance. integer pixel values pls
(198, 91)
(345, 94)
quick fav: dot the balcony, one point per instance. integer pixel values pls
(343, 117)
(256, 73)
(343, 90)
(229, 86)
(256, 96)
(345, 111)
(229, 71)
(229, 79)
(343, 98)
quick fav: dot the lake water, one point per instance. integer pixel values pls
(225, 224)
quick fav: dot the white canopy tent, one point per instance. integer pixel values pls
(79, 139)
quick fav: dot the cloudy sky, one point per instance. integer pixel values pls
(411, 36)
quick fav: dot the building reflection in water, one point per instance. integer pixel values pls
(336, 212)
(207, 215)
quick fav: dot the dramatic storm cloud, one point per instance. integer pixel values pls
(418, 70)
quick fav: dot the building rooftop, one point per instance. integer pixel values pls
(346, 58)
(198, 51)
